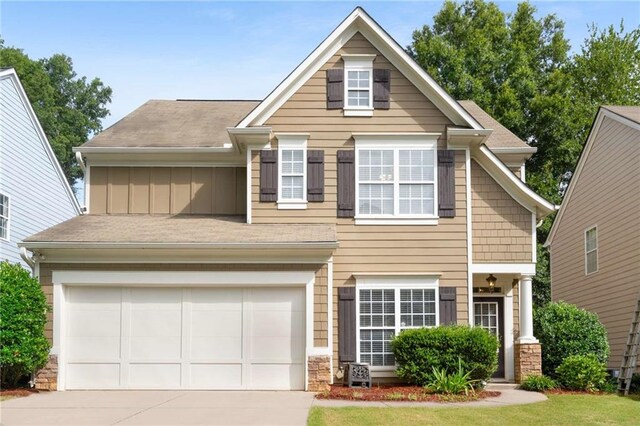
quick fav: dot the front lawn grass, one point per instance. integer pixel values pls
(558, 410)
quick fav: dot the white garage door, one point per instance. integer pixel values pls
(185, 338)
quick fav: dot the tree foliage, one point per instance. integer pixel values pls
(23, 315)
(70, 108)
(520, 69)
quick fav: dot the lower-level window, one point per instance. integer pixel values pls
(385, 311)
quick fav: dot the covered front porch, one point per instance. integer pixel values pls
(501, 301)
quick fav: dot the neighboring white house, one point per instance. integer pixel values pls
(34, 193)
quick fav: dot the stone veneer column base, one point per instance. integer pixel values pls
(528, 360)
(47, 378)
(319, 375)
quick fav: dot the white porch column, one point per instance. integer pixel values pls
(526, 310)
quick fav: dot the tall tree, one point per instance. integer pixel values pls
(69, 108)
(518, 68)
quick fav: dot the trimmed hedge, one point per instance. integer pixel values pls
(582, 372)
(23, 315)
(419, 351)
(564, 330)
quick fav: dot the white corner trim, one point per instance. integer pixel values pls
(588, 146)
(249, 184)
(11, 74)
(469, 204)
(509, 333)
(330, 314)
(534, 238)
(504, 268)
(359, 21)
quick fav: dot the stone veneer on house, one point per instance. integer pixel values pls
(47, 378)
(319, 375)
(528, 360)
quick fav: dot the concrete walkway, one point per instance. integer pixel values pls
(157, 408)
(510, 395)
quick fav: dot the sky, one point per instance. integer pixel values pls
(224, 50)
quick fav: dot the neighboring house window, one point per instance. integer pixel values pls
(591, 250)
(4, 217)
(385, 309)
(396, 181)
(292, 163)
(358, 77)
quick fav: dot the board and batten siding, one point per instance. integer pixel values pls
(440, 249)
(606, 194)
(168, 190)
(320, 315)
(501, 227)
(38, 196)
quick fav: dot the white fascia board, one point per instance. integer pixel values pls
(504, 268)
(512, 184)
(227, 148)
(602, 113)
(359, 21)
(514, 150)
(176, 246)
(11, 73)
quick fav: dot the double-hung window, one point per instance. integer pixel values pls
(292, 175)
(358, 77)
(385, 308)
(591, 250)
(396, 181)
(4, 217)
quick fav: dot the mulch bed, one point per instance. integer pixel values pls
(18, 392)
(399, 393)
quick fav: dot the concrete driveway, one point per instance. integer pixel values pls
(158, 408)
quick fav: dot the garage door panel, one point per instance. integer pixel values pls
(286, 299)
(154, 376)
(277, 376)
(216, 376)
(156, 323)
(93, 376)
(99, 298)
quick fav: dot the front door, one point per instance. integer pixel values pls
(489, 314)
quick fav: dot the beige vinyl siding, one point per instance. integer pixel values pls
(501, 226)
(320, 286)
(438, 249)
(605, 195)
(167, 190)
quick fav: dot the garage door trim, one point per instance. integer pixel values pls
(176, 279)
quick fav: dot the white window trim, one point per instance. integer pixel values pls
(297, 142)
(396, 283)
(358, 63)
(8, 217)
(586, 272)
(396, 143)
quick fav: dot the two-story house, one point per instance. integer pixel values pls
(34, 193)
(264, 244)
(595, 239)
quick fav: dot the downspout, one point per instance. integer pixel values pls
(28, 259)
(80, 161)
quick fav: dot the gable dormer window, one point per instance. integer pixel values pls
(358, 88)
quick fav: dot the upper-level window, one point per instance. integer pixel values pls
(358, 77)
(591, 250)
(4, 217)
(292, 154)
(396, 180)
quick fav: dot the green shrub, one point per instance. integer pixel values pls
(421, 351)
(582, 372)
(537, 383)
(565, 330)
(451, 384)
(23, 315)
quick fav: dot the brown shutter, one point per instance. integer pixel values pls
(381, 88)
(347, 324)
(335, 88)
(268, 175)
(315, 175)
(346, 183)
(446, 183)
(447, 306)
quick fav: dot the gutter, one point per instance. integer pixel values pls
(153, 150)
(138, 245)
(80, 161)
(28, 259)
